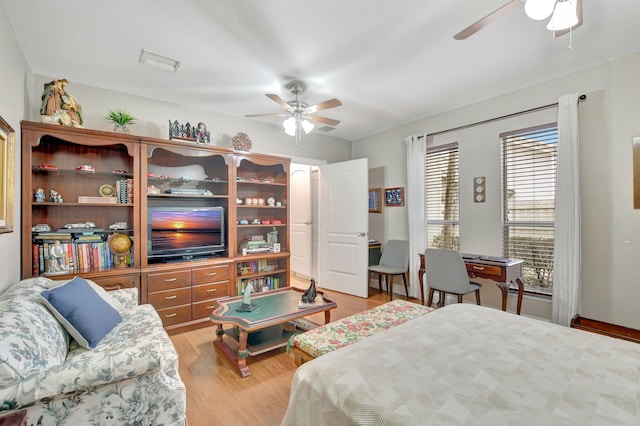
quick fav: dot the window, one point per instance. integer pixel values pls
(529, 161)
(443, 197)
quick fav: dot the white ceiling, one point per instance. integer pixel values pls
(389, 62)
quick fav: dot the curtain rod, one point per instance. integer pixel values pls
(502, 117)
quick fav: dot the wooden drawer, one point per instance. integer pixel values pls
(209, 275)
(116, 283)
(173, 297)
(168, 280)
(485, 271)
(175, 315)
(202, 309)
(210, 291)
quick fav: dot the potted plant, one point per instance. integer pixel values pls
(120, 119)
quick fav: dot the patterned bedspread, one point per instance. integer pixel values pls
(467, 364)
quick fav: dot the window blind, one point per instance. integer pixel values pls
(529, 163)
(442, 197)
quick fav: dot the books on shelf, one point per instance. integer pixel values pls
(82, 253)
(259, 284)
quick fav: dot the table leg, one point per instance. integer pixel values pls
(327, 316)
(504, 288)
(238, 359)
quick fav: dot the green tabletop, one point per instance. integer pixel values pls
(274, 307)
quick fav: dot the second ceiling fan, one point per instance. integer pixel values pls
(568, 10)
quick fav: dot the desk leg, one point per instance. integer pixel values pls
(239, 359)
(327, 316)
(520, 293)
(420, 280)
(504, 288)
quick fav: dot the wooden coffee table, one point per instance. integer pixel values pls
(275, 308)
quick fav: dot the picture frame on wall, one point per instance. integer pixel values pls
(394, 197)
(7, 136)
(375, 194)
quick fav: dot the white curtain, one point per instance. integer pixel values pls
(567, 246)
(415, 201)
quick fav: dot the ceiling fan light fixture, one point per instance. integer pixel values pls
(539, 9)
(565, 15)
(290, 126)
(307, 126)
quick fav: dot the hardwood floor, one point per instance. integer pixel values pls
(217, 395)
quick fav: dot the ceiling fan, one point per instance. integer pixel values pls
(537, 10)
(299, 112)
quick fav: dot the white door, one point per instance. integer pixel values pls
(300, 219)
(344, 222)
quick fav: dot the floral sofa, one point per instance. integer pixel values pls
(130, 377)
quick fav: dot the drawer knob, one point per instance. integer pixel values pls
(170, 297)
(168, 280)
(211, 274)
(211, 290)
(478, 268)
(210, 307)
(170, 315)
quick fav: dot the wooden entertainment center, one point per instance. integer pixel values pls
(144, 174)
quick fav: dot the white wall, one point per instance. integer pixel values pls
(15, 76)
(610, 227)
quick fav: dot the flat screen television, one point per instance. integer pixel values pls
(176, 233)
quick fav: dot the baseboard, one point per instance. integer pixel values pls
(607, 329)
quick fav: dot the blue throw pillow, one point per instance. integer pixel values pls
(81, 311)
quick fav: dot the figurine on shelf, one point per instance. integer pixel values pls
(39, 195)
(309, 296)
(202, 134)
(58, 106)
(53, 195)
(246, 305)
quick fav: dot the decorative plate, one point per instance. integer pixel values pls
(241, 142)
(106, 190)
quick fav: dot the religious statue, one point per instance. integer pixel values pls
(57, 259)
(201, 134)
(58, 106)
(309, 296)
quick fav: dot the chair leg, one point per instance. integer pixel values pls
(380, 282)
(430, 298)
(459, 298)
(390, 285)
(442, 295)
(404, 280)
(478, 296)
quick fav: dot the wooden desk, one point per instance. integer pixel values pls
(503, 274)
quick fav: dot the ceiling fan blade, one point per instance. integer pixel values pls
(480, 24)
(268, 115)
(331, 103)
(557, 34)
(323, 120)
(277, 99)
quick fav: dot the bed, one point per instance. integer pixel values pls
(468, 364)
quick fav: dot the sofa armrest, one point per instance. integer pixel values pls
(95, 369)
(137, 346)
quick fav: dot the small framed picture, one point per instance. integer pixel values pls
(374, 200)
(394, 197)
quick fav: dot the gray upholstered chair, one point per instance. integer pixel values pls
(394, 261)
(446, 272)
